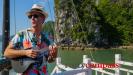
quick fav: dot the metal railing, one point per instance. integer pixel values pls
(61, 69)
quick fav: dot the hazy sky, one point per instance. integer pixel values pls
(19, 8)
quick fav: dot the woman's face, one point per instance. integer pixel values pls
(36, 19)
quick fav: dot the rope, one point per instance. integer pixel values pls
(51, 15)
(15, 16)
(79, 22)
(82, 28)
(59, 53)
(50, 11)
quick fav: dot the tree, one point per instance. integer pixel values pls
(49, 27)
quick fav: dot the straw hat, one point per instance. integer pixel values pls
(38, 8)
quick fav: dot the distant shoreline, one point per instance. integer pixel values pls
(87, 48)
(93, 48)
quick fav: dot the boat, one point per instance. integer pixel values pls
(60, 69)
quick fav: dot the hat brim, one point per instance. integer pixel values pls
(43, 13)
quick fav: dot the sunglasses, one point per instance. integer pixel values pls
(35, 16)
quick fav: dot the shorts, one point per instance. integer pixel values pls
(35, 70)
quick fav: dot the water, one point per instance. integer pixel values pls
(101, 56)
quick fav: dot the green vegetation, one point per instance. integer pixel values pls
(113, 18)
(119, 16)
(49, 27)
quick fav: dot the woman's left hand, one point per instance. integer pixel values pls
(52, 53)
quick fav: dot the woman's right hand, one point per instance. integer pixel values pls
(32, 53)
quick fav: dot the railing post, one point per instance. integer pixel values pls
(58, 62)
(117, 61)
(86, 61)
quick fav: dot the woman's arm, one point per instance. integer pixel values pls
(10, 52)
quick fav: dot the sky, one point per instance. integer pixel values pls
(18, 9)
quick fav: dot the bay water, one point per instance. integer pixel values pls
(102, 56)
